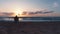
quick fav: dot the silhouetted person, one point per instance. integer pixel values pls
(16, 19)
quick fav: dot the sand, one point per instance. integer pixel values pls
(30, 28)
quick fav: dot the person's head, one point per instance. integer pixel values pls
(16, 16)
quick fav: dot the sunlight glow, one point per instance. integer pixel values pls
(18, 12)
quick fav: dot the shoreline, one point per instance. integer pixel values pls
(33, 21)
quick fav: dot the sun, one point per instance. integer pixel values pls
(18, 12)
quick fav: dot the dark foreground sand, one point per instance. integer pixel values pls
(30, 28)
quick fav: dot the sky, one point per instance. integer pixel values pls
(14, 7)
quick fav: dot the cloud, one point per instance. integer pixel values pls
(55, 4)
(41, 12)
(37, 12)
(6, 14)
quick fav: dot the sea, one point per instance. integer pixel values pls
(31, 19)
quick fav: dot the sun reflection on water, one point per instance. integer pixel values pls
(20, 19)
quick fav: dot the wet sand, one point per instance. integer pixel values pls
(30, 28)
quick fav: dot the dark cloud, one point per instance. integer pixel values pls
(37, 12)
(6, 13)
(48, 12)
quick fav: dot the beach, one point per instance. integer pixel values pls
(30, 27)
